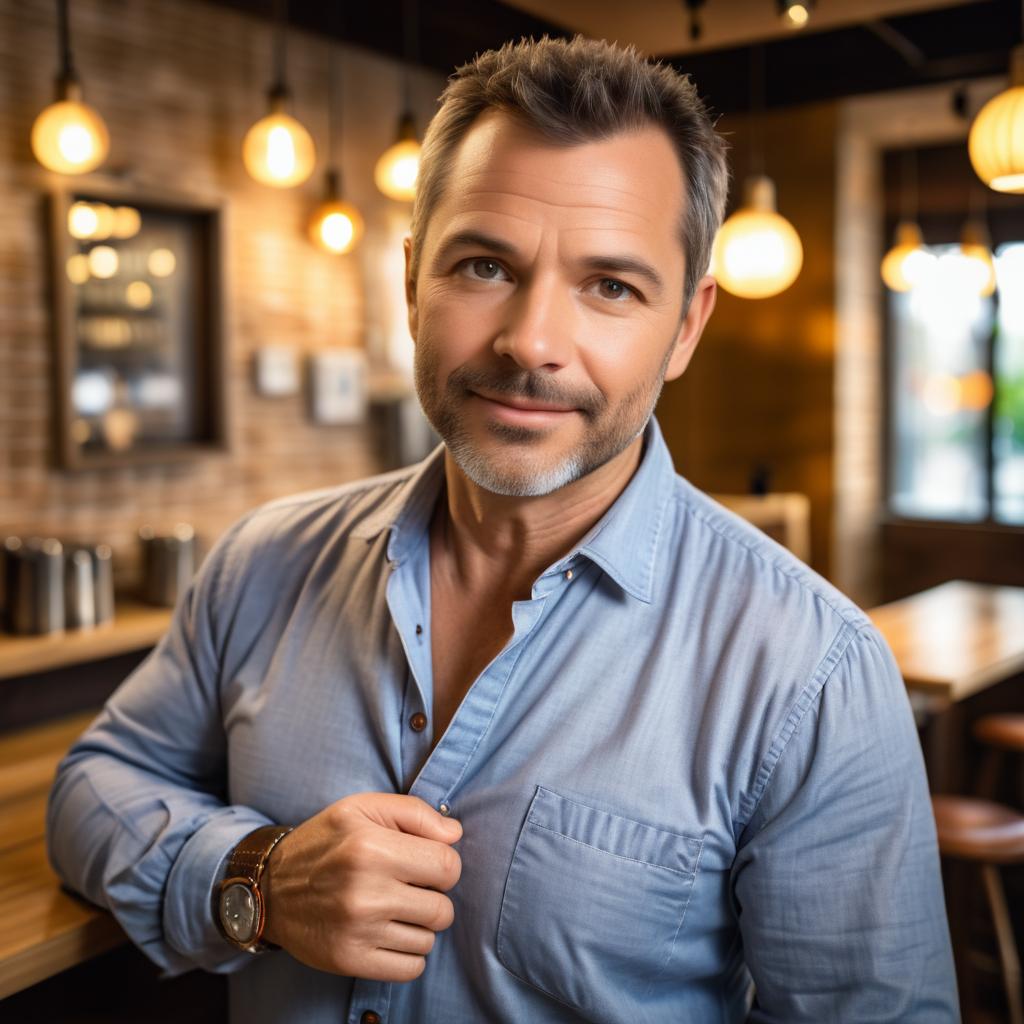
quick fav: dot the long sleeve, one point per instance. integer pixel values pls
(837, 884)
(137, 820)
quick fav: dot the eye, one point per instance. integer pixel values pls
(609, 288)
(483, 269)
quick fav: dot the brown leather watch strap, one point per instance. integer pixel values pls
(249, 857)
(246, 865)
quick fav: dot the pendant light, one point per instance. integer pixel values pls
(278, 150)
(757, 252)
(907, 263)
(398, 167)
(996, 140)
(795, 14)
(336, 226)
(68, 136)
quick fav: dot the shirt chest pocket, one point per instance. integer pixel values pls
(593, 905)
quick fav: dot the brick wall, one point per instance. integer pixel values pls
(178, 83)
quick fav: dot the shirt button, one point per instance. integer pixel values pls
(444, 809)
(369, 1017)
(418, 722)
(419, 629)
(568, 574)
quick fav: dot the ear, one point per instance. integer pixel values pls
(690, 330)
(410, 290)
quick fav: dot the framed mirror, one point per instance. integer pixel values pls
(138, 326)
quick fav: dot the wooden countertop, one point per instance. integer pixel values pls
(957, 638)
(135, 627)
(45, 930)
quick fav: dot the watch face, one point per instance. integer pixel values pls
(238, 912)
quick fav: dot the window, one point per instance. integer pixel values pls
(956, 381)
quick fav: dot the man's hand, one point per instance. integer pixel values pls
(358, 889)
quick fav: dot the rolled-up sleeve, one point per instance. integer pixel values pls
(837, 883)
(137, 820)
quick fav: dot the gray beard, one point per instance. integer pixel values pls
(509, 473)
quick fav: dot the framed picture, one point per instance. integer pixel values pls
(137, 315)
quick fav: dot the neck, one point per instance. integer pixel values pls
(490, 544)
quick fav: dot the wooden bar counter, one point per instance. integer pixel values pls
(46, 929)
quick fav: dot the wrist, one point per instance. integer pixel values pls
(239, 901)
(271, 934)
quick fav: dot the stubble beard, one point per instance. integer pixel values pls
(511, 471)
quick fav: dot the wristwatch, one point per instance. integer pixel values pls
(240, 908)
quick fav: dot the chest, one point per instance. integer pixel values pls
(467, 633)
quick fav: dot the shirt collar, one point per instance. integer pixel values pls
(623, 542)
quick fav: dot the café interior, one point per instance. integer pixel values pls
(202, 309)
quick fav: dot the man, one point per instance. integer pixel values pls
(560, 738)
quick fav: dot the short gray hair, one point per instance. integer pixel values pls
(578, 91)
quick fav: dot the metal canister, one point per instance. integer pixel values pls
(168, 564)
(79, 590)
(36, 598)
(103, 582)
(10, 558)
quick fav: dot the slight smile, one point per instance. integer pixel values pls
(524, 412)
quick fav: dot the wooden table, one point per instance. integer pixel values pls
(45, 929)
(953, 642)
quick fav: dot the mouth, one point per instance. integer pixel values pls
(523, 411)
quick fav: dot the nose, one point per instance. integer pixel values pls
(538, 329)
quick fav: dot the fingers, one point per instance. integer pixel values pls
(407, 938)
(423, 907)
(417, 861)
(387, 965)
(412, 815)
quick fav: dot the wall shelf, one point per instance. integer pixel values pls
(135, 627)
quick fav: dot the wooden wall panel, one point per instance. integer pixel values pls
(759, 390)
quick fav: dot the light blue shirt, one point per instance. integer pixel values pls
(693, 766)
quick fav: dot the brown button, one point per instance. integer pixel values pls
(369, 1017)
(418, 722)
(419, 629)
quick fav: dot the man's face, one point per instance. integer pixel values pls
(547, 313)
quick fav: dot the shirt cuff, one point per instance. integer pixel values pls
(189, 926)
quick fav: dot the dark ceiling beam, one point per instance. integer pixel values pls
(950, 44)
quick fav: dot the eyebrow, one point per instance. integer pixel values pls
(603, 264)
(474, 240)
(626, 265)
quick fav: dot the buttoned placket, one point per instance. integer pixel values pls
(408, 597)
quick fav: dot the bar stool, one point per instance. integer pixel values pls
(988, 834)
(977, 830)
(1001, 733)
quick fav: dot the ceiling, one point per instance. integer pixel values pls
(662, 27)
(850, 47)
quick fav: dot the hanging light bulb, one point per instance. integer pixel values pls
(277, 150)
(907, 264)
(69, 136)
(976, 258)
(795, 13)
(757, 252)
(996, 140)
(336, 226)
(399, 165)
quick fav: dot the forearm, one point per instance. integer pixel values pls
(148, 850)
